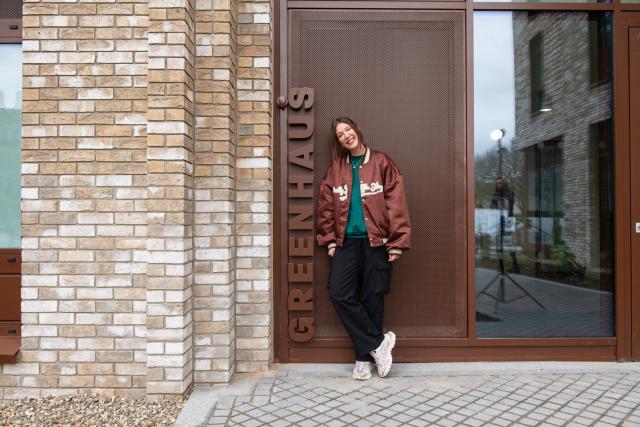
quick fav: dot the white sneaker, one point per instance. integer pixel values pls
(362, 371)
(382, 354)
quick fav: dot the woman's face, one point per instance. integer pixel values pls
(347, 137)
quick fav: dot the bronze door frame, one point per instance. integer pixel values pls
(630, 65)
(469, 348)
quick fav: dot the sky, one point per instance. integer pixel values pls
(494, 85)
(10, 75)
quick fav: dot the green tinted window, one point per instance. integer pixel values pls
(10, 124)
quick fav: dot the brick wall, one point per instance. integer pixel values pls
(146, 196)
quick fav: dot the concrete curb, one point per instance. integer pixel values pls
(461, 368)
(203, 399)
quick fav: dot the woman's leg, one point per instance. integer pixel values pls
(343, 283)
(376, 271)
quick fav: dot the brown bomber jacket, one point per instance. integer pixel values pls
(383, 203)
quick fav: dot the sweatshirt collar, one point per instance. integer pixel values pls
(367, 156)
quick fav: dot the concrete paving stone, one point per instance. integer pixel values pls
(617, 414)
(543, 411)
(440, 412)
(528, 421)
(604, 424)
(293, 418)
(281, 413)
(417, 422)
(392, 423)
(402, 417)
(512, 416)
(449, 407)
(363, 423)
(555, 421)
(633, 419)
(456, 417)
(483, 416)
(430, 417)
(583, 420)
(259, 400)
(473, 422)
(334, 413)
(281, 423)
(239, 418)
(518, 411)
(573, 423)
(592, 415)
(445, 423)
(536, 416)
(610, 420)
(564, 415)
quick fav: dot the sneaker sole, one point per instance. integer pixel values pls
(393, 343)
(361, 378)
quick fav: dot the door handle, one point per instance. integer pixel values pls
(12, 259)
(282, 102)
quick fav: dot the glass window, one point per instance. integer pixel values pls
(10, 125)
(549, 1)
(544, 174)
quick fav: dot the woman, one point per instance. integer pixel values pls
(363, 220)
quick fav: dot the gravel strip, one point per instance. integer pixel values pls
(86, 410)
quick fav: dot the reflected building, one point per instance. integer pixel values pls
(563, 110)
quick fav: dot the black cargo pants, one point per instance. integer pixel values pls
(360, 277)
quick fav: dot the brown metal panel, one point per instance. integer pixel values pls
(400, 75)
(9, 347)
(281, 348)
(10, 31)
(10, 261)
(471, 271)
(9, 297)
(633, 34)
(622, 188)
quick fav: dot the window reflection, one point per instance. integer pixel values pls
(544, 184)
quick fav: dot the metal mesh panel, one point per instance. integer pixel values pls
(400, 75)
(10, 9)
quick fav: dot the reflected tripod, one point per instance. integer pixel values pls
(502, 276)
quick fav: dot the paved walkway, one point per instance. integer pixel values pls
(440, 394)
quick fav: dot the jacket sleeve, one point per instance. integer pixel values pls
(325, 215)
(396, 202)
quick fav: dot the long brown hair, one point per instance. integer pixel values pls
(337, 150)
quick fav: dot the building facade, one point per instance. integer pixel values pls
(162, 237)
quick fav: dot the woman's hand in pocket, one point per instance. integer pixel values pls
(393, 257)
(331, 251)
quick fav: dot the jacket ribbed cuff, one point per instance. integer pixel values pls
(395, 251)
(331, 245)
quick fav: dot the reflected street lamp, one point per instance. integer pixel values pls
(497, 135)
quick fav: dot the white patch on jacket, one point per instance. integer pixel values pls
(370, 189)
(341, 191)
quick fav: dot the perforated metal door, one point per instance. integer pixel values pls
(400, 76)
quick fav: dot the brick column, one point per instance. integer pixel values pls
(253, 164)
(214, 262)
(170, 196)
(83, 187)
